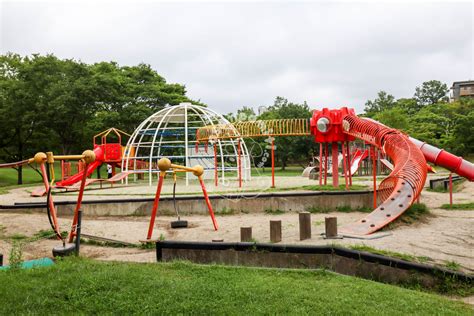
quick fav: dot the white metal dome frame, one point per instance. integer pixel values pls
(167, 132)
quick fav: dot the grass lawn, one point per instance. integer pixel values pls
(459, 206)
(83, 286)
(8, 176)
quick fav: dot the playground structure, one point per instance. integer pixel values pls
(165, 165)
(105, 153)
(171, 133)
(46, 164)
(405, 157)
(359, 162)
(340, 126)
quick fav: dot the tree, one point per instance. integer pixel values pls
(431, 92)
(246, 114)
(22, 83)
(290, 148)
(383, 102)
(408, 105)
(50, 104)
(395, 118)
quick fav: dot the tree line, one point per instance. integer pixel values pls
(52, 104)
(427, 116)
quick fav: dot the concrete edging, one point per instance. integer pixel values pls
(341, 260)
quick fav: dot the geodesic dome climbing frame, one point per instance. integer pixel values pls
(171, 133)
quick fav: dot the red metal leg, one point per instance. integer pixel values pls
(349, 162)
(374, 172)
(209, 207)
(450, 189)
(51, 202)
(344, 165)
(326, 150)
(215, 165)
(239, 163)
(273, 163)
(78, 204)
(155, 205)
(320, 164)
(335, 169)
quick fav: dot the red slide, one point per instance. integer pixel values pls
(99, 154)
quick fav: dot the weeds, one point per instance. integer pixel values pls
(271, 211)
(457, 186)
(414, 213)
(403, 256)
(330, 187)
(343, 209)
(111, 244)
(16, 255)
(452, 265)
(459, 206)
(225, 212)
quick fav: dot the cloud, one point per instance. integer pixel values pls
(234, 54)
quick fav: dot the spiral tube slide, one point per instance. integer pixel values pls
(402, 186)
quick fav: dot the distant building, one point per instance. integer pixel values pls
(462, 89)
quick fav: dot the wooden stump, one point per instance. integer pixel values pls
(305, 225)
(245, 234)
(331, 227)
(275, 231)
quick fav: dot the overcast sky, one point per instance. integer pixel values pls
(231, 55)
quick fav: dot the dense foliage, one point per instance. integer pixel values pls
(428, 117)
(50, 104)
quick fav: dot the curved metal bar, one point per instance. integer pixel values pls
(15, 164)
(402, 186)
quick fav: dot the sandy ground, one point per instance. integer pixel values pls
(446, 236)
(140, 190)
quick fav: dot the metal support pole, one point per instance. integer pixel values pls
(62, 170)
(51, 202)
(326, 150)
(239, 163)
(374, 172)
(320, 164)
(344, 165)
(209, 207)
(349, 162)
(215, 165)
(78, 231)
(273, 163)
(451, 189)
(78, 205)
(335, 169)
(155, 204)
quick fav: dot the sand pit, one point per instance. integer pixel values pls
(445, 236)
